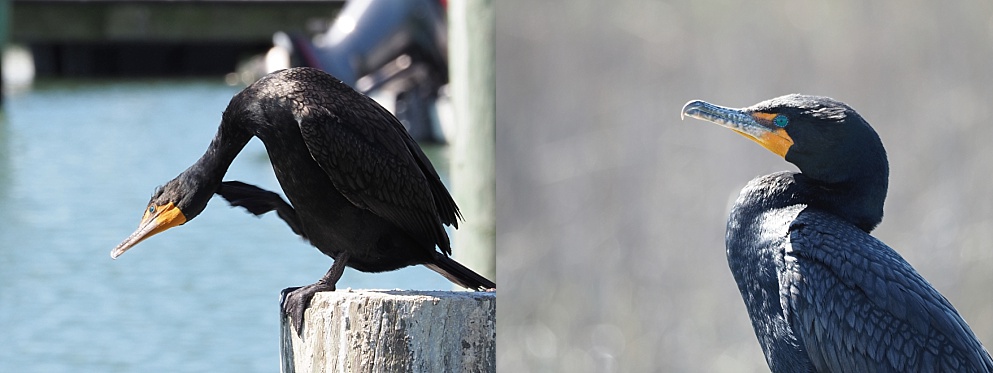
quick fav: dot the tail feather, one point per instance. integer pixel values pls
(459, 273)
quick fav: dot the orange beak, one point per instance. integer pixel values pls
(156, 219)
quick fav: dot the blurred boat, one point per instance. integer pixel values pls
(393, 51)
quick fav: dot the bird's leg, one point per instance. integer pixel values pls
(296, 300)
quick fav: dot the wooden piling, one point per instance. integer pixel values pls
(473, 171)
(393, 331)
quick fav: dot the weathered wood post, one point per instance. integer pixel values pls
(473, 171)
(393, 331)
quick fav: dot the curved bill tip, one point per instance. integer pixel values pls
(117, 252)
(691, 109)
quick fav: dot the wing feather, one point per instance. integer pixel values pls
(374, 163)
(859, 306)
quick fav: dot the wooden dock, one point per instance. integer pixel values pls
(156, 37)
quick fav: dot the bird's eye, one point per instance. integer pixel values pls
(151, 209)
(781, 121)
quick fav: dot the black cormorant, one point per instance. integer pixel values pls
(361, 190)
(824, 295)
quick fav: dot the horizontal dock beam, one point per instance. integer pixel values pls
(47, 21)
(101, 38)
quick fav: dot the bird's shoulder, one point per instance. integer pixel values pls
(306, 93)
(360, 144)
(859, 306)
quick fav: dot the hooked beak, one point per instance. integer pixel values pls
(754, 125)
(157, 219)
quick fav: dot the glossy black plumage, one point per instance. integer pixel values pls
(360, 188)
(259, 201)
(823, 295)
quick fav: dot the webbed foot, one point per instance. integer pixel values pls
(295, 301)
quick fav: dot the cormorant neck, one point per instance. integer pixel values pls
(845, 174)
(204, 177)
(858, 200)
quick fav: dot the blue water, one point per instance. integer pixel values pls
(78, 162)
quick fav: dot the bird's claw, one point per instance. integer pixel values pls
(294, 302)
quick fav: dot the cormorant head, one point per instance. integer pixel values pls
(827, 140)
(837, 152)
(171, 205)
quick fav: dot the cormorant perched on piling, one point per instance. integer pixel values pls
(824, 295)
(362, 191)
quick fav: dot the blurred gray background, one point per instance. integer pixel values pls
(612, 211)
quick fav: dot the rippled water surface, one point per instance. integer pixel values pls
(78, 162)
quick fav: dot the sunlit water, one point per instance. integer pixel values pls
(78, 162)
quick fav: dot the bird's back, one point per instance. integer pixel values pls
(362, 149)
(857, 305)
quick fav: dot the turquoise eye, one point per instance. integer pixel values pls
(780, 121)
(151, 209)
